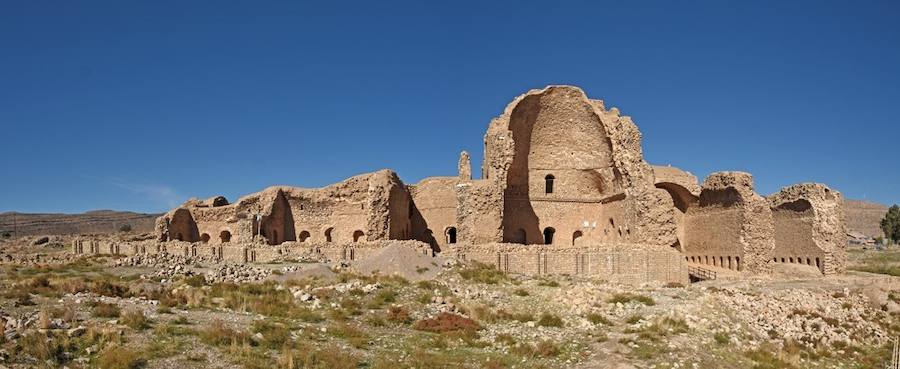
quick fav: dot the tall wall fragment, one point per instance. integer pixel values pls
(810, 227)
(732, 225)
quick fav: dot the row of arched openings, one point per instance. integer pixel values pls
(549, 236)
(799, 260)
(224, 236)
(726, 262)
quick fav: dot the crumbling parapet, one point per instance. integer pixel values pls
(809, 222)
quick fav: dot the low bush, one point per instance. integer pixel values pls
(119, 358)
(105, 310)
(399, 315)
(219, 334)
(135, 319)
(596, 318)
(447, 322)
(274, 336)
(548, 283)
(483, 273)
(625, 298)
(550, 320)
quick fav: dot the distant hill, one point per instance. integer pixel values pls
(864, 217)
(98, 221)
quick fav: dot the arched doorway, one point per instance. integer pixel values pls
(303, 236)
(204, 238)
(548, 183)
(328, 234)
(225, 236)
(451, 235)
(357, 234)
(548, 235)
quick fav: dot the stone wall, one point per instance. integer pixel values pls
(624, 263)
(244, 253)
(434, 210)
(559, 157)
(810, 227)
(371, 206)
(731, 226)
(559, 169)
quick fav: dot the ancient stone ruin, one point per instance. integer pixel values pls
(564, 188)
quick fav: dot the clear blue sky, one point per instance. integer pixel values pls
(140, 105)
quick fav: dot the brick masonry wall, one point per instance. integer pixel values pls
(620, 264)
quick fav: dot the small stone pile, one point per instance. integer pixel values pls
(38, 259)
(290, 269)
(159, 260)
(807, 317)
(304, 294)
(236, 273)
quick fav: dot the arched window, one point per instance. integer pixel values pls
(328, 234)
(225, 236)
(548, 235)
(357, 234)
(204, 238)
(576, 236)
(303, 236)
(451, 235)
(548, 183)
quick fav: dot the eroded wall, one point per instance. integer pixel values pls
(364, 207)
(809, 227)
(434, 210)
(731, 226)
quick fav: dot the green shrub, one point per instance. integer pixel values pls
(598, 319)
(550, 320)
(722, 338)
(625, 298)
(548, 283)
(195, 281)
(427, 285)
(483, 273)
